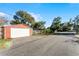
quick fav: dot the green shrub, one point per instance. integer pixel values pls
(46, 31)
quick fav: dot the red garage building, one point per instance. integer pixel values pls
(14, 31)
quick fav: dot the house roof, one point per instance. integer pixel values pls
(1, 20)
(17, 26)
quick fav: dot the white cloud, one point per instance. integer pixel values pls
(2, 14)
(36, 16)
(7, 16)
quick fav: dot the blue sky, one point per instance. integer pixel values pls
(45, 12)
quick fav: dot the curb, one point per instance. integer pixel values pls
(77, 36)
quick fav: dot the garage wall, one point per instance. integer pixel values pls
(20, 32)
(7, 33)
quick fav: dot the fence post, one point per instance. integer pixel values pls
(2, 32)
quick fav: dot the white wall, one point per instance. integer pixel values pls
(19, 32)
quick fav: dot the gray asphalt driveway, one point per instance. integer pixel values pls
(51, 45)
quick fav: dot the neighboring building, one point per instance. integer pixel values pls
(14, 31)
(3, 22)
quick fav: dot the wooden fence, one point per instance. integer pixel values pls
(1, 32)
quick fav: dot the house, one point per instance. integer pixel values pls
(15, 31)
(2, 20)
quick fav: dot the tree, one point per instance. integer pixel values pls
(39, 25)
(76, 24)
(56, 24)
(22, 17)
(68, 26)
(65, 27)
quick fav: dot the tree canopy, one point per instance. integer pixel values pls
(23, 17)
(39, 25)
(56, 24)
(76, 24)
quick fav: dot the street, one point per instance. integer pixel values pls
(44, 45)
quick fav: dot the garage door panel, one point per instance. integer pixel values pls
(19, 32)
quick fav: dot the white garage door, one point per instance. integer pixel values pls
(19, 32)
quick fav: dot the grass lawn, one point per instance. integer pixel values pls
(5, 43)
